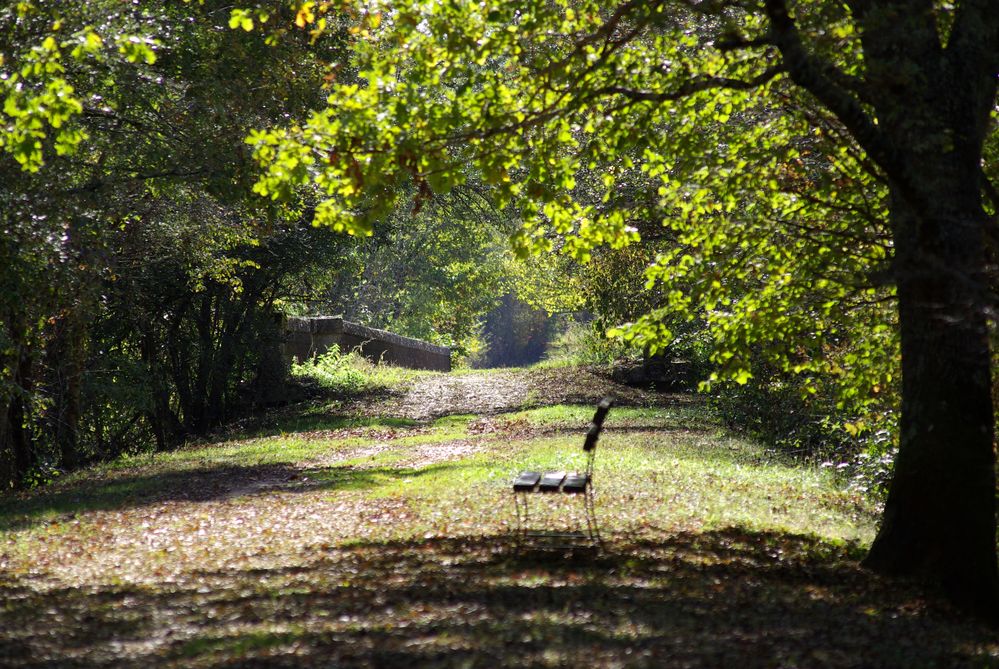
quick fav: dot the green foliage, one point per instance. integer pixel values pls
(138, 277)
(583, 343)
(431, 271)
(349, 373)
(764, 218)
(333, 370)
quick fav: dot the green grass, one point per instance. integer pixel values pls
(320, 420)
(326, 541)
(654, 467)
(696, 417)
(351, 373)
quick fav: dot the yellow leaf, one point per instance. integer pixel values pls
(305, 15)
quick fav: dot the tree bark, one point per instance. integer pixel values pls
(939, 522)
(931, 95)
(17, 452)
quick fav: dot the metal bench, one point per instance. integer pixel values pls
(579, 484)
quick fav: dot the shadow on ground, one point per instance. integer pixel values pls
(205, 484)
(719, 599)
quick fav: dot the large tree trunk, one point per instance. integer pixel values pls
(939, 522)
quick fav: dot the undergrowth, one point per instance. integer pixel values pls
(350, 373)
(584, 344)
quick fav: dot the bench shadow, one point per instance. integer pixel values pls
(718, 599)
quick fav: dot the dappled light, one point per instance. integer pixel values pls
(305, 307)
(720, 598)
(365, 541)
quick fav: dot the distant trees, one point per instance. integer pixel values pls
(810, 161)
(430, 270)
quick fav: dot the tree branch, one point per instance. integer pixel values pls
(973, 60)
(733, 42)
(820, 78)
(694, 85)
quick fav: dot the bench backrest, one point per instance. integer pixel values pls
(597, 424)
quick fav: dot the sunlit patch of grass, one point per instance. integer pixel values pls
(675, 417)
(236, 645)
(351, 373)
(320, 420)
(648, 487)
(374, 544)
(459, 421)
(488, 371)
(656, 469)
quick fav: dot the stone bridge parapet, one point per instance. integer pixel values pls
(308, 337)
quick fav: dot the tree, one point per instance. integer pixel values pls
(126, 202)
(717, 103)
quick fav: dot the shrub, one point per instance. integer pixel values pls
(335, 370)
(350, 373)
(584, 343)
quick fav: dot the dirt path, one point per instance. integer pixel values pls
(500, 391)
(465, 394)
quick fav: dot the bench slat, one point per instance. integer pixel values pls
(526, 481)
(575, 483)
(551, 481)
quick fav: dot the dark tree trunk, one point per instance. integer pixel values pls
(65, 358)
(167, 429)
(18, 412)
(932, 92)
(228, 348)
(197, 418)
(939, 522)
(17, 451)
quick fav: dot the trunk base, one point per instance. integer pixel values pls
(897, 553)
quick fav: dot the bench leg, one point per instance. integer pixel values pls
(591, 517)
(520, 500)
(523, 532)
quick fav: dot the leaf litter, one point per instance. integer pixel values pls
(331, 560)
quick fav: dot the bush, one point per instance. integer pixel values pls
(584, 343)
(335, 370)
(350, 373)
(776, 408)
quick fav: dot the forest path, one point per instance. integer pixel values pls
(376, 533)
(497, 391)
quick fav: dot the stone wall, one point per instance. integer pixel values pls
(308, 337)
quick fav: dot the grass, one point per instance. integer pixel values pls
(333, 541)
(349, 372)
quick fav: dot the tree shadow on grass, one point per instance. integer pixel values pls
(717, 599)
(203, 484)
